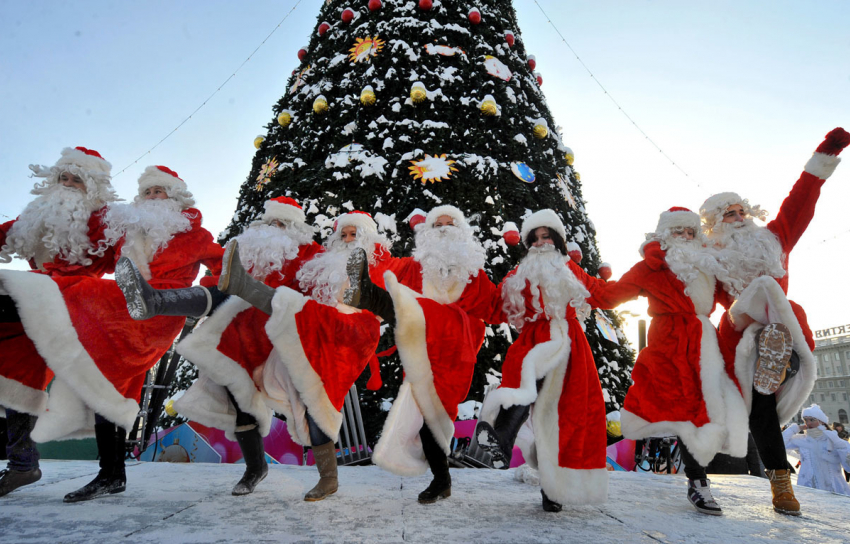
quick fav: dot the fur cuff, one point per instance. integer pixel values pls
(19, 397)
(821, 165)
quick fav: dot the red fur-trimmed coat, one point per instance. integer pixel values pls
(303, 358)
(82, 330)
(438, 342)
(571, 457)
(23, 374)
(681, 386)
(738, 347)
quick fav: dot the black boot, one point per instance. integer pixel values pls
(363, 294)
(256, 468)
(234, 280)
(498, 439)
(441, 485)
(22, 468)
(8, 310)
(145, 302)
(550, 505)
(112, 477)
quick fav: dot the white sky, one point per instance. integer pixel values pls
(737, 93)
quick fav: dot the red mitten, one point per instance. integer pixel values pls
(834, 142)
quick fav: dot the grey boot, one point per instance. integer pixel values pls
(145, 302)
(234, 280)
(325, 455)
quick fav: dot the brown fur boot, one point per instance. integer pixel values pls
(784, 500)
(325, 456)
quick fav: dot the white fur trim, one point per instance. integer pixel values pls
(200, 348)
(542, 218)
(283, 212)
(677, 219)
(439, 211)
(561, 484)
(764, 301)
(538, 362)
(822, 165)
(75, 157)
(154, 177)
(207, 403)
(360, 220)
(400, 448)
(282, 330)
(48, 324)
(728, 415)
(815, 411)
(67, 416)
(413, 351)
(21, 398)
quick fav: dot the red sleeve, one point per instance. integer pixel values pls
(797, 211)
(482, 299)
(4, 230)
(609, 295)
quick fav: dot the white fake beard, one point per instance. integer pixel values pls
(747, 251)
(544, 269)
(448, 255)
(55, 223)
(325, 274)
(687, 258)
(264, 249)
(150, 222)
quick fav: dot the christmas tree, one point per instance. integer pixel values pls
(401, 105)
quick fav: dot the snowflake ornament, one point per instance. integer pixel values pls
(266, 172)
(365, 48)
(432, 168)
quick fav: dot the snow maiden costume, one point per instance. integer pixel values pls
(299, 360)
(550, 366)
(81, 328)
(775, 381)
(56, 233)
(822, 453)
(427, 298)
(681, 386)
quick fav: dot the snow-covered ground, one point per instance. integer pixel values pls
(192, 503)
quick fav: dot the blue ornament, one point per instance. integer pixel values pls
(523, 172)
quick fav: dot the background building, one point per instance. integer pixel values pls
(832, 388)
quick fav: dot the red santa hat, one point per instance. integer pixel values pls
(542, 218)
(283, 208)
(815, 411)
(362, 220)
(677, 218)
(161, 176)
(435, 213)
(88, 160)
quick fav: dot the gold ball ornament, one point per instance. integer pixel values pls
(489, 106)
(569, 156)
(367, 96)
(169, 408)
(320, 104)
(613, 428)
(577, 175)
(541, 131)
(418, 93)
(284, 119)
(258, 141)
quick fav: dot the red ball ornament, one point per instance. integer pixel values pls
(426, 4)
(374, 5)
(574, 251)
(539, 79)
(474, 16)
(509, 37)
(324, 27)
(511, 237)
(347, 15)
(416, 219)
(605, 271)
(532, 62)
(302, 53)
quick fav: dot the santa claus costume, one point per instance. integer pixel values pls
(81, 328)
(427, 298)
(299, 359)
(758, 333)
(550, 366)
(681, 386)
(822, 452)
(57, 233)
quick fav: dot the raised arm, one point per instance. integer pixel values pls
(608, 295)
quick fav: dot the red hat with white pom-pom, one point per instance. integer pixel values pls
(457, 216)
(678, 217)
(283, 208)
(356, 218)
(160, 176)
